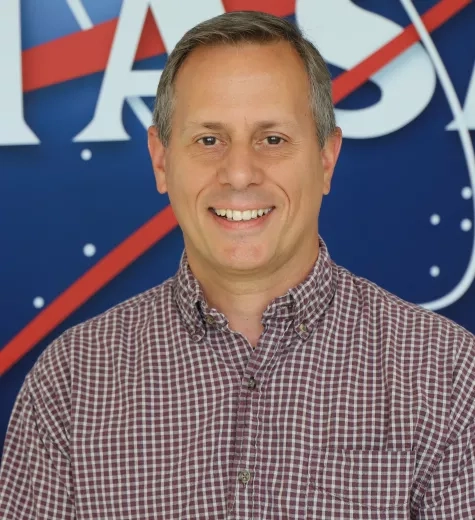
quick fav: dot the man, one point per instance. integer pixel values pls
(262, 381)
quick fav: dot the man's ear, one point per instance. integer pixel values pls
(157, 154)
(330, 153)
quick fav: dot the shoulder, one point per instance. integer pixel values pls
(88, 357)
(127, 316)
(391, 314)
(429, 353)
(103, 337)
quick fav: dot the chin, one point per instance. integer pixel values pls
(243, 258)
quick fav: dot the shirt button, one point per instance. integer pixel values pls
(210, 319)
(251, 384)
(244, 476)
(303, 327)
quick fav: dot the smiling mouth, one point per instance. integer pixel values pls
(238, 216)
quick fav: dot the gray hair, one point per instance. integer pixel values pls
(248, 27)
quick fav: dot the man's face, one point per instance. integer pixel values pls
(243, 142)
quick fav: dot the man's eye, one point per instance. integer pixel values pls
(274, 139)
(208, 140)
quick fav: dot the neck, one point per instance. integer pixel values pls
(243, 299)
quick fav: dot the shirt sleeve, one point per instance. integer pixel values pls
(450, 488)
(35, 481)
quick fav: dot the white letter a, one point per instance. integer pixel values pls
(120, 82)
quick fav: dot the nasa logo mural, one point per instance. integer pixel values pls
(78, 201)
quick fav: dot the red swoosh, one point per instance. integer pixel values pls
(151, 232)
(86, 52)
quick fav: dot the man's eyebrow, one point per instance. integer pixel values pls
(266, 125)
(210, 125)
(260, 125)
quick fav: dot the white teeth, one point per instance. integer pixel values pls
(241, 215)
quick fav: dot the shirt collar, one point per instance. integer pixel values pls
(304, 304)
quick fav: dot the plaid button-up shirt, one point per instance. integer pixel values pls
(354, 405)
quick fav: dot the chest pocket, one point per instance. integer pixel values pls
(361, 484)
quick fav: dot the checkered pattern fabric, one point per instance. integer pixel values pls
(354, 405)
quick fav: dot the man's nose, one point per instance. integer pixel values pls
(240, 166)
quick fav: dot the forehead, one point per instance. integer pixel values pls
(224, 77)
